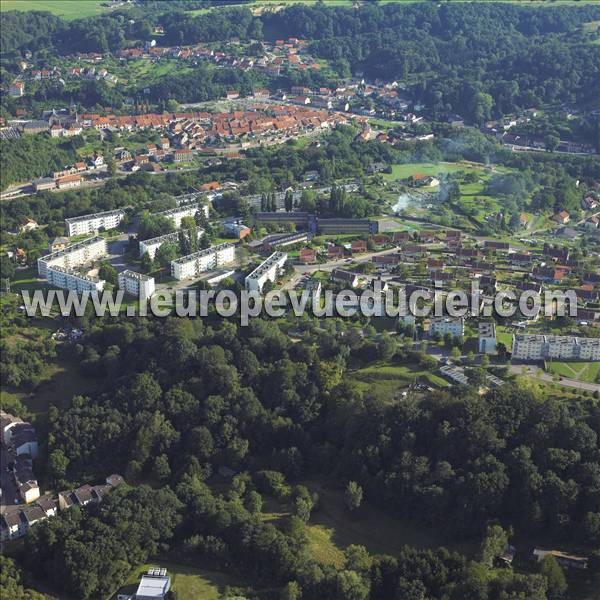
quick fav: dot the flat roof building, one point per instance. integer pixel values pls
(486, 338)
(192, 265)
(69, 279)
(559, 347)
(151, 245)
(137, 284)
(268, 270)
(444, 325)
(94, 222)
(185, 210)
(77, 254)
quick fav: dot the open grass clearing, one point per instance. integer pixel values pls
(387, 381)
(67, 9)
(581, 370)
(332, 529)
(189, 583)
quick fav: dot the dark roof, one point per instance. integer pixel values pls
(33, 514)
(47, 503)
(83, 494)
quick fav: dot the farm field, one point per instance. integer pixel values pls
(188, 583)
(582, 371)
(68, 9)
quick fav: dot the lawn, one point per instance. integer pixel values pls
(68, 9)
(582, 371)
(404, 171)
(387, 380)
(188, 582)
(331, 529)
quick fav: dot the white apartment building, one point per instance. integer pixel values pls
(68, 279)
(153, 244)
(136, 284)
(190, 266)
(176, 214)
(444, 325)
(486, 338)
(94, 222)
(73, 256)
(268, 270)
(559, 347)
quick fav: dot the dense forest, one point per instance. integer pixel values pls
(183, 398)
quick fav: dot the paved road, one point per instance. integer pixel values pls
(538, 373)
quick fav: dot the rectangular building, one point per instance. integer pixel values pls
(283, 241)
(73, 256)
(94, 222)
(444, 325)
(558, 347)
(192, 265)
(185, 210)
(136, 284)
(153, 244)
(486, 338)
(68, 279)
(329, 226)
(268, 270)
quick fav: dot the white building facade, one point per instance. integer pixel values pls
(94, 222)
(268, 270)
(444, 325)
(73, 256)
(68, 279)
(486, 338)
(176, 214)
(558, 347)
(151, 245)
(190, 266)
(137, 284)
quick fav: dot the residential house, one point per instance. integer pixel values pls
(345, 277)
(562, 217)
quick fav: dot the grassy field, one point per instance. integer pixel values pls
(68, 9)
(387, 380)
(188, 582)
(582, 371)
(406, 170)
(332, 529)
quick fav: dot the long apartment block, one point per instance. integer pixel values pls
(94, 222)
(68, 279)
(153, 244)
(187, 210)
(192, 265)
(73, 256)
(268, 270)
(561, 347)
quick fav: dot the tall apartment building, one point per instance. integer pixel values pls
(94, 222)
(152, 245)
(187, 210)
(268, 270)
(136, 284)
(444, 325)
(68, 279)
(559, 347)
(72, 256)
(486, 338)
(190, 266)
